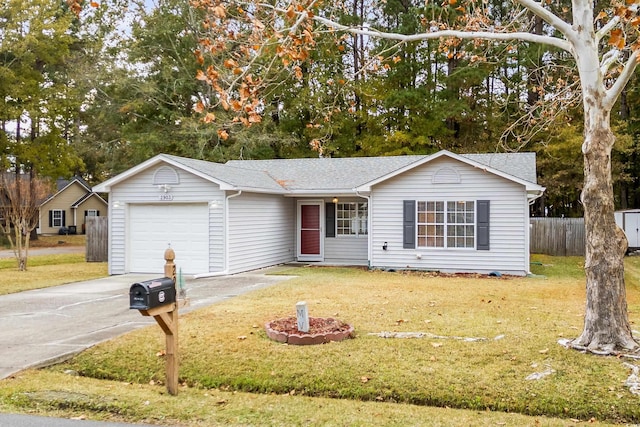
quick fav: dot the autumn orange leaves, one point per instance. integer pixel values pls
(242, 45)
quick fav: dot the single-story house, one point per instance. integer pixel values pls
(444, 212)
(68, 208)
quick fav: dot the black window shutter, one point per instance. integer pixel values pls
(63, 219)
(482, 224)
(97, 213)
(86, 213)
(50, 218)
(330, 220)
(409, 224)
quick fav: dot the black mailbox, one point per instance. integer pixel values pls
(152, 293)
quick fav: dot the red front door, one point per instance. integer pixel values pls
(310, 231)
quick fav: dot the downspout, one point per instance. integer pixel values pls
(530, 200)
(369, 237)
(224, 272)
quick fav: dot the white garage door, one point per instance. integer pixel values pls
(154, 227)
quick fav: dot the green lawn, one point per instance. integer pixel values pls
(232, 374)
(48, 270)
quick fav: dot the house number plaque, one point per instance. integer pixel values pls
(166, 197)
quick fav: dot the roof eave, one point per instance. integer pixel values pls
(326, 192)
(249, 189)
(83, 199)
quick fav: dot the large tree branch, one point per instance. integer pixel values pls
(614, 91)
(485, 35)
(549, 17)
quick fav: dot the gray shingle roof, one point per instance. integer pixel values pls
(337, 174)
(334, 174)
(520, 165)
(234, 176)
(347, 173)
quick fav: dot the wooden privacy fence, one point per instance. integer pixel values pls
(97, 228)
(557, 236)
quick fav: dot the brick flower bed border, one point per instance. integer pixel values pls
(338, 331)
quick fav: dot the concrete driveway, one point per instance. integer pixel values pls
(44, 326)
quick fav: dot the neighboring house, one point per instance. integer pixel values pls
(443, 212)
(68, 208)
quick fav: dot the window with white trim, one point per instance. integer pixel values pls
(92, 212)
(446, 224)
(56, 218)
(351, 219)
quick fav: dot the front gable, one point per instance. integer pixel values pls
(449, 215)
(448, 173)
(163, 182)
(60, 210)
(66, 197)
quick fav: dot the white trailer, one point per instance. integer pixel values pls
(629, 221)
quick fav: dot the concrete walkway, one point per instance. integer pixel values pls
(15, 420)
(44, 326)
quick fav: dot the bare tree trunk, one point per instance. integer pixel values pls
(606, 322)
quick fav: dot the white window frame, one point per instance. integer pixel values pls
(56, 222)
(446, 224)
(92, 212)
(356, 223)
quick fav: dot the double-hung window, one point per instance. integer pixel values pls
(445, 224)
(351, 219)
(57, 218)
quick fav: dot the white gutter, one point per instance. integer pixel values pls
(224, 272)
(533, 197)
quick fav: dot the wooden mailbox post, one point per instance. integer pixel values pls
(167, 317)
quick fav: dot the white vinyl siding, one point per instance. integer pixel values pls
(139, 189)
(117, 229)
(216, 233)
(261, 231)
(509, 219)
(346, 250)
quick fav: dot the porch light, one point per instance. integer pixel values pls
(335, 200)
